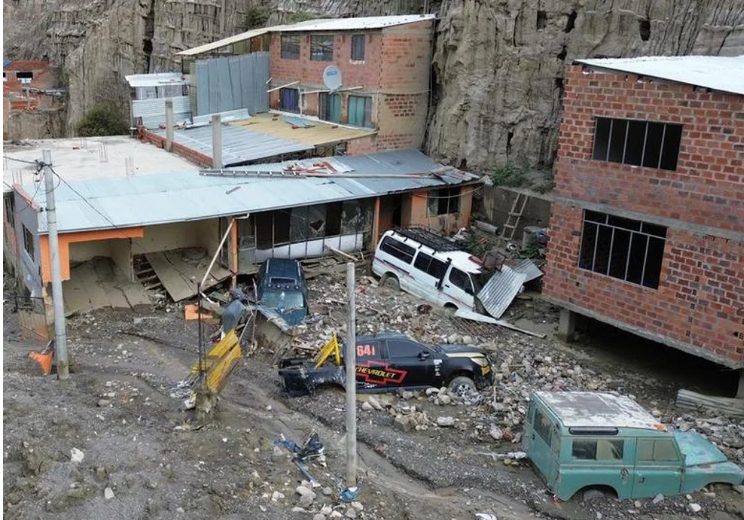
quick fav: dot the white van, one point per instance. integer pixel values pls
(428, 266)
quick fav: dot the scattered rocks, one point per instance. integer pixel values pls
(76, 455)
(445, 422)
(658, 498)
(694, 508)
(108, 493)
(276, 496)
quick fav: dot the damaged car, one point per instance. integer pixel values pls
(391, 361)
(580, 441)
(281, 287)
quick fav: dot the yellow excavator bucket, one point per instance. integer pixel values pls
(220, 361)
(332, 348)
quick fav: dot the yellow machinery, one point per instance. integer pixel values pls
(219, 362)
(332, 348)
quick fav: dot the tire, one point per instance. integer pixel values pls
(462, 384)
(450, 308)
(390, 281)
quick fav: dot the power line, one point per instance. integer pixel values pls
(35, 163)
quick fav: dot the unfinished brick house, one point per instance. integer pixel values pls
(647, 228)
(381, 65)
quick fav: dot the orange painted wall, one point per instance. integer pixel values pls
(66, 239)
(415, 212)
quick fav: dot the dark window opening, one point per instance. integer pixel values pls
(444, 201)
(541, 20)
(321, 47)
(333, 219)
(360, 111)
(623, 248)
(272, 228)
(357, 47)
(289, 99)
(24, 75)
(290, 46)
(430, 265)
(28, 242)
(644, 28)
(653, 145)
(10, 210)
(398, 249)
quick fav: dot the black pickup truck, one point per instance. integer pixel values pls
(390, 361)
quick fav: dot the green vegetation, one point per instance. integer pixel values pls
(102, 119)
(256, 17)
(510, 175)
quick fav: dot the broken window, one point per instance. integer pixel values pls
(461, 280)
(357, 47)
(397, 249)
(623, 248)
(289, 99)
(321, 47)
(28, 242)
(444, 201)
(272, 228)
(640, 143)
(290, 46)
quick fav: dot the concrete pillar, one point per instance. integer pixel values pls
(375, 224)
(740, 390)
(169, 124)
(216, 141)
(566, 324)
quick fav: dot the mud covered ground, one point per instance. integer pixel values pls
(143, 457)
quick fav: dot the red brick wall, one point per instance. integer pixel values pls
(699, 304)
(705, 189)
(192, 155)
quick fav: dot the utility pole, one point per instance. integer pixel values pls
(60, 337)
(350, 361)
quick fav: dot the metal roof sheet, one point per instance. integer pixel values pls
(322, 24)
(500, 290)
(238, 143)
(159, 79)
(592, 409)
(724, 73)
(526, 267)
(177, 197)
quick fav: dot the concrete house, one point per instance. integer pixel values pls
(647, 227)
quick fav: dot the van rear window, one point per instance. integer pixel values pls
(430, 265)
(397, 249)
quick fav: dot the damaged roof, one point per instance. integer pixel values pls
(724, 73)
(178, 197)
(322, 24)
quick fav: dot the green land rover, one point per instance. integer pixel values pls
(587, 440)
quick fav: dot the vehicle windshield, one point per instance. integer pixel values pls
(284, 300)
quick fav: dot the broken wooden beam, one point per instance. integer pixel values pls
(731, 406)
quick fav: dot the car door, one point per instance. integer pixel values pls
(413, 361)
(544, 444)
(458, 289)
(658, 467)
(427, 276)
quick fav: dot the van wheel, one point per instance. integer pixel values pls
(390, 281)
(462, 385)
(450, 308)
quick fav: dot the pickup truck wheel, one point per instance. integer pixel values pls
(390, 281)
(462, 385)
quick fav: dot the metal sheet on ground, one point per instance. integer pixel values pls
(179, 276)
(500, 290)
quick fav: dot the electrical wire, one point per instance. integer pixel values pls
(35, 163)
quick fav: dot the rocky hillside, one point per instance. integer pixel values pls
(498, 64)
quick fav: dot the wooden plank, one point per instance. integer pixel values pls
(172, 280)
(733, 407)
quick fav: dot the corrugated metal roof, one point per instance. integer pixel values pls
(161, 199)
(527, 267)
(500, 290)
(159, 79)
(322, 24)
(724, 73)
(238, 144)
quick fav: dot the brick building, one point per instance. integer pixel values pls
(647, 228)
(28, 85)
(381, 63)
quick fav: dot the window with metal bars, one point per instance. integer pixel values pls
(28, 241)
(627, 249)
(321, 47)
(444, 201)
(640, 143)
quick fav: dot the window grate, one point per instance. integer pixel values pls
(639, 143)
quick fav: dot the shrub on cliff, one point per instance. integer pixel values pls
(103, 119)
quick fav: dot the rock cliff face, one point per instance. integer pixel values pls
(499, 64)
